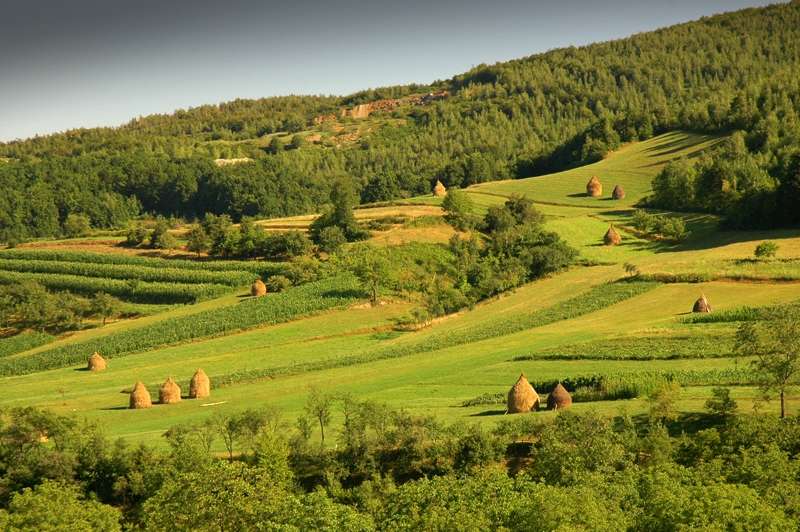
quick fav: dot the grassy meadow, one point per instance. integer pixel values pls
(586, 321)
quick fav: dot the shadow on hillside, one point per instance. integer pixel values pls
(685, 423)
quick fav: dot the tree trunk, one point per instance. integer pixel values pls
(322, 431)
(783, 406)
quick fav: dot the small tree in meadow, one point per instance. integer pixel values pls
(198, 240)
(766, 250)
(721, 404)
(775, 344)
(104, 306)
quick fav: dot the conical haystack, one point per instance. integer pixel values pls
(522, 397)
(612, 237)
(258, 288)
(140, 397)
(96, 362)
(439, 189)
(200, 385)
(594, 187)
(559, 398)
(702, 305)
(169, 392)
(618, 193)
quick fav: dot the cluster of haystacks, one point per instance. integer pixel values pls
(702, 305)
(522, 397)
(559, 398)
(200, 385)
(169, 393)
(96, 362)
(594, 187)
(140, 397)
(618, 193)
(612, 237)
(258, 289)
(439, 189)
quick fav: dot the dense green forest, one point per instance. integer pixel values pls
(391, 470)
(732, 72)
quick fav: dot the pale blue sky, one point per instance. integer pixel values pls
(84, 63)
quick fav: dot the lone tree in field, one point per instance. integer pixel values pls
(776, 345)
(371, 267)
(198, 240)
(104, 306)
(766, 250)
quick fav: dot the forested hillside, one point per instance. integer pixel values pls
(730, 72)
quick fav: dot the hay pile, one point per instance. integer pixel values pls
(439, 189)
(559, 398)
(258, 288)
(169, 392)
(702, 305)
(140, 397)
(594, 187)
(618, 193)
(96, 362)
(522, 397)
(612, 237)
(200, 385)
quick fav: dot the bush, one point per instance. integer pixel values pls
(766, 250)
(76, 225)
(136, 236)
(331, 239)
(278, 283)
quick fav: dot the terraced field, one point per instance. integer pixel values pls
(590, 322)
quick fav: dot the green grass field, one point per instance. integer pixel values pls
(433, 371)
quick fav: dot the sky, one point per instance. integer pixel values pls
(85, 63)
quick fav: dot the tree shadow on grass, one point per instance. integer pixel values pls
(488, 413)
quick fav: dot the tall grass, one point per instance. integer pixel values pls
(18, 343)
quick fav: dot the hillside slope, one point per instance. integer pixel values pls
(514, 119)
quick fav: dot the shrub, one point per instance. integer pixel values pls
(766, 250)
(76, 225)
(278, 283)
(136, 236)
(331, 239)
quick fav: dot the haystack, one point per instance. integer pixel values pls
(140, 397)
(200, 385)
(522, 397)
(618, 193)
(96, 362)
(612, 237)
(702, 305)
(439, 189)
(169, 392)
(559, 398)
(258, 288)
(594, 187)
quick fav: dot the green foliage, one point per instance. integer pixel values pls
(458, 208)
(76, 225)
(339, 213)
(278, 283)
(721, 403)
(331, 239)
(371, 266)
(11, 345)
(766, 250)
(774, 344)
(55, 506)
(161, 238)
(27, 305)
(198, 241)
(104, 306)
(136, 235)
(659, 225)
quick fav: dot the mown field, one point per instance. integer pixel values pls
(588, 322)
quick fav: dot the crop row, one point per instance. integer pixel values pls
(131, 290)
(128, 271)
(628, 385)
(275, 308)
(660, 347)
(18, 343)
(261, 268)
